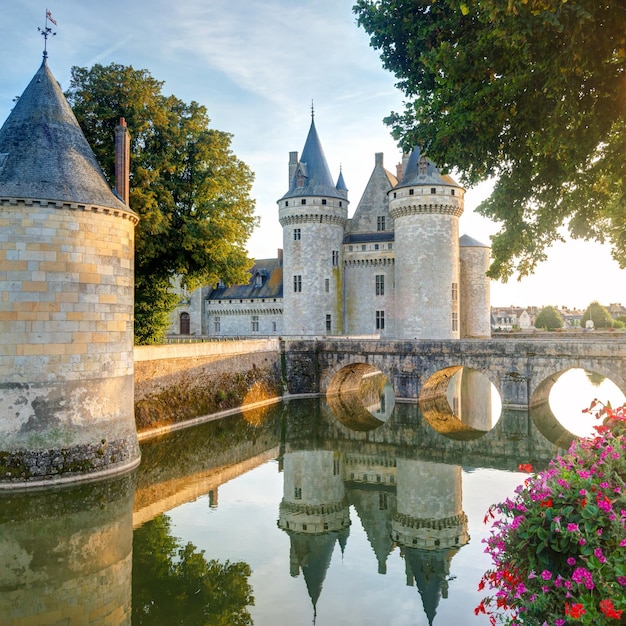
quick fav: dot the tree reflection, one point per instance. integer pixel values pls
(175, 584)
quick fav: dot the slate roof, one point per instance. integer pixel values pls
(411, 175)
(469, 242)
(383, 235)
(44, 154)
(270, 272)
(314, 167)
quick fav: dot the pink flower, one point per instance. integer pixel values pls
(571, 561)
(546, 574)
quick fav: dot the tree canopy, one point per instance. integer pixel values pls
(549, 318)
(189, 189)
(598, 314)
(529, 92)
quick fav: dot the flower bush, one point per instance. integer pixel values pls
(558, 547)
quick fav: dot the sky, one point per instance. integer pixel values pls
(257, 65)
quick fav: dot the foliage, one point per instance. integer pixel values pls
(511, 90)
(598, 314)
(174, 584)
(559, 546)
(189, 189)
(549, 318)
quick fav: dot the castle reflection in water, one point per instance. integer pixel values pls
(65, 555)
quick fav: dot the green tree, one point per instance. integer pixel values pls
(189, 189)
(549, 318)
(175, 584)
(598, 314)
(529, 92)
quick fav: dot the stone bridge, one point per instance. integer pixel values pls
(522, 370)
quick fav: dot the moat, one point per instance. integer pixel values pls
(292, 513)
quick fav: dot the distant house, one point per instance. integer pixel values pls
(509, 318)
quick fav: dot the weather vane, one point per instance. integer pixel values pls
(46, 31)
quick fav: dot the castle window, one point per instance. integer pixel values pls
(455, 292)
(216, 323)
(380, 284)
(411, 192)
(255, 323)
(335, 258)
(389, 246)
(376, 246)
(380, 222)
(340, 203)
(286, 202)
(350, 248)
(184, 323)
(299, 179)
(455, 321)
(329, 322)
(394, 194)
(297, 234)
(297, 493)
(433, 190)
(323, 200)
(273, 327)
(303, 201)
(258, 280)
(363, 247)
(382, 502)
(451, 192)
(327, 285)
(297, 283)
(336, 467)
(380, 320)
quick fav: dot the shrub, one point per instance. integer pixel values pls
(559, 546)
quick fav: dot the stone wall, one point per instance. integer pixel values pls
(178, 382)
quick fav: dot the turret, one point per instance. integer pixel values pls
(425, 206)
(313, 214)
(66, 312)
(475, 288)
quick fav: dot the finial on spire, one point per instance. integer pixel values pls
(312, 110)
(46, 32)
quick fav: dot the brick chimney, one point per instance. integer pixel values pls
(122, 160)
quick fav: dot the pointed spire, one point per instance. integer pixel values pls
(341, 183)
(46, 153)
(312, 175)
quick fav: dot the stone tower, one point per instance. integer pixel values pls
(426, 207)
(475, 291)
(313, 214)
(66, 300)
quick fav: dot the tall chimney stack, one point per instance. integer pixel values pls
(122, 160)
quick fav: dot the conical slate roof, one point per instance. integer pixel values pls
(411, 174)
(469, 242)
(313, 170)
(44, 154)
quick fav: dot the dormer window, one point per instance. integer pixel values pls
(422, 166)
(299, 179)
(258, 280)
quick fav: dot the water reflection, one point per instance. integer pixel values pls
(387, 502)
(65, 555)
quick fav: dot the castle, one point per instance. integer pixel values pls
(396, 269)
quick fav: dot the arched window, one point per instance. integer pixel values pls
(185, 324)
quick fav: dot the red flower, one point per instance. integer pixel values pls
(547, 502)
(575, 610)
(606, 606)
(525, 467)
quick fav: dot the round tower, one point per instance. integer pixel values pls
(475, 288)
(313, 214)
(66, 300)
(426, 207)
